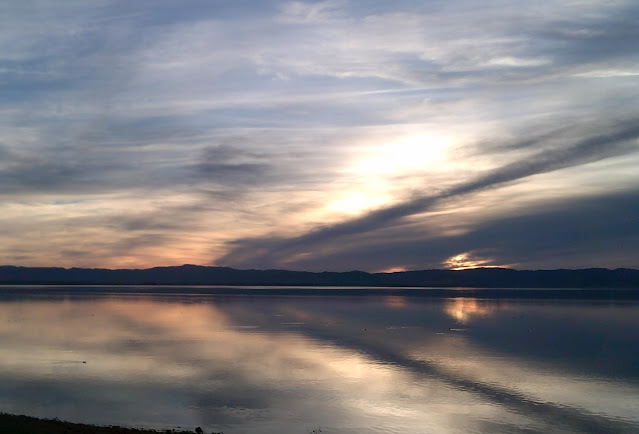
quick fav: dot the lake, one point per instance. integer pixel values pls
(286, 360)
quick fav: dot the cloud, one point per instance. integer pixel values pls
(474, 43)
(226, 165)
(271, 109)
(598, 231)
(619, 139)
(79, 170)
(305, 12)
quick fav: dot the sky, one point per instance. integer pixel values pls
(331, 135)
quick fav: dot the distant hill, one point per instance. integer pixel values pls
(200, 275)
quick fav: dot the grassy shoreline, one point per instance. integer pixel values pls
(19, 424)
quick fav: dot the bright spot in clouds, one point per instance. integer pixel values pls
(419, 152)
(465, 261)
(393, 270)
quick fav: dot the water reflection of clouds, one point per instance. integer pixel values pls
(465, 360)
(218, 362)
(184, 345)
(396, 301)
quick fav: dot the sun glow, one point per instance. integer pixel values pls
(387, 166)
(398, 269)
(410, 152)
(466, 261)
(356, 202)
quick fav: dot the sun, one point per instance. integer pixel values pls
(388, 164)
(405, 153)
(466, 261)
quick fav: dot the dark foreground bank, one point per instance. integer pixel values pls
(12, 424)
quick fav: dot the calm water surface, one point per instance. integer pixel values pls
(373, 361)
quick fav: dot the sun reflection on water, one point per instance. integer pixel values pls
(466, 309)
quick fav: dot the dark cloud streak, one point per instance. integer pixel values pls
(597, 231)
(226, 165)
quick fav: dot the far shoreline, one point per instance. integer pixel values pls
(438, 278)
(161, 291)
